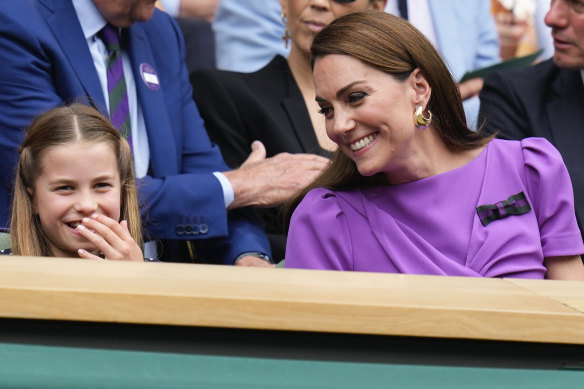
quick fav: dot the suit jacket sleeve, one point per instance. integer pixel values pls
(26, 90)
(194, 183)
(502, 110)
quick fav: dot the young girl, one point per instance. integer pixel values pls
(74, 183)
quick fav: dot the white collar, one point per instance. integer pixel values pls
(92, 21)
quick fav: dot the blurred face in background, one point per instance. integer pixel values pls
(305, 18)
(566, 18)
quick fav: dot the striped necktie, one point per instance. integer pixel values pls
(116, 84)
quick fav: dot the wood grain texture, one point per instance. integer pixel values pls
(297, 300)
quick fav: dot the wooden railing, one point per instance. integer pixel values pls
(296, 300)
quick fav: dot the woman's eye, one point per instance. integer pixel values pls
(326, 111)
(356, 97)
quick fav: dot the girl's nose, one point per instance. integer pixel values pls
(85, 203)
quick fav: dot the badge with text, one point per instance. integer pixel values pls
(149, 76)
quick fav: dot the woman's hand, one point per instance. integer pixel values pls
(111, 238)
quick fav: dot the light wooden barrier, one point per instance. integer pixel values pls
(296, 300)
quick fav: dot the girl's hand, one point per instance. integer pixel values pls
(111, 238)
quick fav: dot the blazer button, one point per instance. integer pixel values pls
(179, 230)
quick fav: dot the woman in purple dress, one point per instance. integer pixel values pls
(411, 188)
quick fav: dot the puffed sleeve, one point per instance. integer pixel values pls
(552, 197)
(318, 237)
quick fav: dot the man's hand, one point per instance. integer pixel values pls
(253, 262)
(470, 88)
(269, 182)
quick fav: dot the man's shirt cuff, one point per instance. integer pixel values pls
(228, 195)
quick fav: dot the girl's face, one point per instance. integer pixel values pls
(76, 181)
(305, 18)
(369, 113)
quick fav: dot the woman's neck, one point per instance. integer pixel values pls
(431, 157)
(299, 63)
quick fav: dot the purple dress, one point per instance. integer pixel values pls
(499, 215)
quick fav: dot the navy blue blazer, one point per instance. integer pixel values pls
(544, 101)
(46, 62)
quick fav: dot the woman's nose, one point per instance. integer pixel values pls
(342, 124)
(320, 4)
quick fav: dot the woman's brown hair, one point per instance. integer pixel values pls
(392, 45)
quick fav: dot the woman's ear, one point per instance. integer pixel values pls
(377, 5)
(421, 88)
(33, 201)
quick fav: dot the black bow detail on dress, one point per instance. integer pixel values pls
(514, 205)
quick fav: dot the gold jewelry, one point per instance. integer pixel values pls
(420, 121)
(286, 36)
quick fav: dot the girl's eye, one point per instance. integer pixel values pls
(103, 185)
(326, 111)
(356, 97)
(64, 188)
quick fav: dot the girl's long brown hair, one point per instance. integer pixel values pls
(65, 125)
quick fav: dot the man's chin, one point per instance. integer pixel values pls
(568, 62)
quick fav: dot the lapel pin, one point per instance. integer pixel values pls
(149, 76)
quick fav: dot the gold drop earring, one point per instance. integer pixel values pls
(419, 120)
(286, 36)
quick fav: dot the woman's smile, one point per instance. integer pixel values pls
(361, 143)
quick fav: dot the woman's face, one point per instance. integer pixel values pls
(305, 18)
(369, 113)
